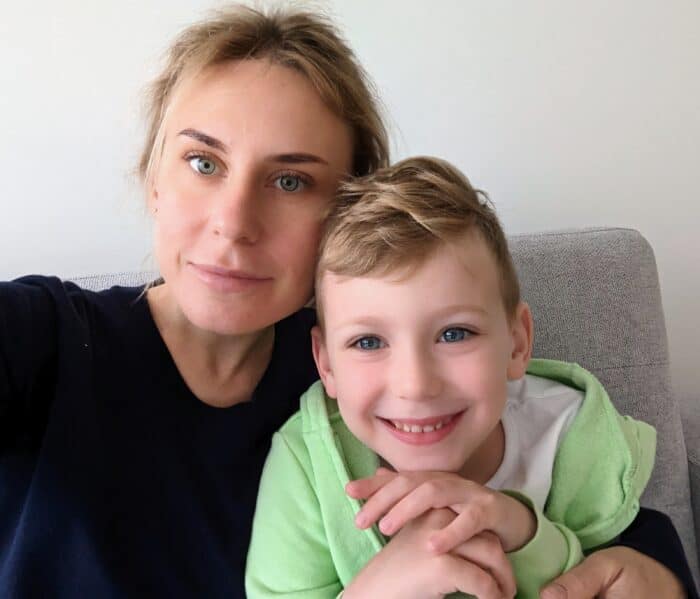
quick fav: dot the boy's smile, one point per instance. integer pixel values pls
(423, 431)
(419, 360)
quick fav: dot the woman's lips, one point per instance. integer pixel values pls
(424, 431)
(225, 280)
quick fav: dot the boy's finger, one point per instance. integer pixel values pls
(463, 528)
(485, 551)
(434, 493)
(467, 577)
(383, 499)
(362, 488)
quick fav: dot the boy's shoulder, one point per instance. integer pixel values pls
(315, 412)
(603, 463)
(566, 373)
(318, 433)
(317, 416)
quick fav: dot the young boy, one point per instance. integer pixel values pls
(422, 346)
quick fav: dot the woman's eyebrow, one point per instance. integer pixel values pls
(212, 142)
(287, 158)
(296, 158)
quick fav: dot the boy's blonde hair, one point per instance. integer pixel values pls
(395, 217)
(306, 42)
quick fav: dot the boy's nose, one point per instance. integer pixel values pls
(416, 378)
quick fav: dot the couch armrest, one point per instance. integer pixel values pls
(691, 431)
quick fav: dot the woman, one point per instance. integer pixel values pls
(135, 425)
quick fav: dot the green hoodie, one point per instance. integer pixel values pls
(305, 543)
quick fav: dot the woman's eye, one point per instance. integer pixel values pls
(454, 335)
(289, 183)
(368, 343)
(203, 165)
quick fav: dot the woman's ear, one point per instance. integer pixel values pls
(152, 199)
(323, 364)
(522, 331)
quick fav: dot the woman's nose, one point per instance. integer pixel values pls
(237, 212)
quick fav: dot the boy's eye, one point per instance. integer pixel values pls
(454, 334)
(368, 343)
(202, 165)
(290, 183)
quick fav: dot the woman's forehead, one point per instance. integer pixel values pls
(261, 103)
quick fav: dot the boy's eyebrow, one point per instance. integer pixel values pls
(210, 141)
(365, 321)
(456, 311)
(462, 309)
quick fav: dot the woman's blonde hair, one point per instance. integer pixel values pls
(306, 42)
(395, 217)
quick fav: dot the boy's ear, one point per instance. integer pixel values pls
(323, 364)
(522, 330)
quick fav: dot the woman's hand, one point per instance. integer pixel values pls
(406, 569)
(397, 498)
(616, 573)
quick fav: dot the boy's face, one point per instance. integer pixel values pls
(419, 364)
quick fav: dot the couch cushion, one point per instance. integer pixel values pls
(107, 280)
(596, 301)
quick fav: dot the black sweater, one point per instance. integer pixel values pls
(115, 480)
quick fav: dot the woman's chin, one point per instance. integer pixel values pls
(233, 317)
(226, 322)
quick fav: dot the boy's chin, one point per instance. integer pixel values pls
(423, 466)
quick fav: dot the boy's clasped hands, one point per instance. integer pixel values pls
(448, 534)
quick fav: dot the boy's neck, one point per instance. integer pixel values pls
(487, 459)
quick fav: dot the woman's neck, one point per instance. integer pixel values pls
(221, 370)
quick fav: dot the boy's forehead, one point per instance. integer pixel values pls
(469, 248)
(388, 274)
(466, 263)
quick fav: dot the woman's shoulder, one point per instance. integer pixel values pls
(47, 300)
(58, 290)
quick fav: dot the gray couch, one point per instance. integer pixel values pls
(595, 298)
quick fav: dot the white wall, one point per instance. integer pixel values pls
(567, 113)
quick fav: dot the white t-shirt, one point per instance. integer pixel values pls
(537, 414)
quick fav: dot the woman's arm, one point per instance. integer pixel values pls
(653, 534)
(27, 354)
(648, 562)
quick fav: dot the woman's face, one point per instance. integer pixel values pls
(251, 160)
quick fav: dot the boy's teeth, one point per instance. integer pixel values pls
(416, 428)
